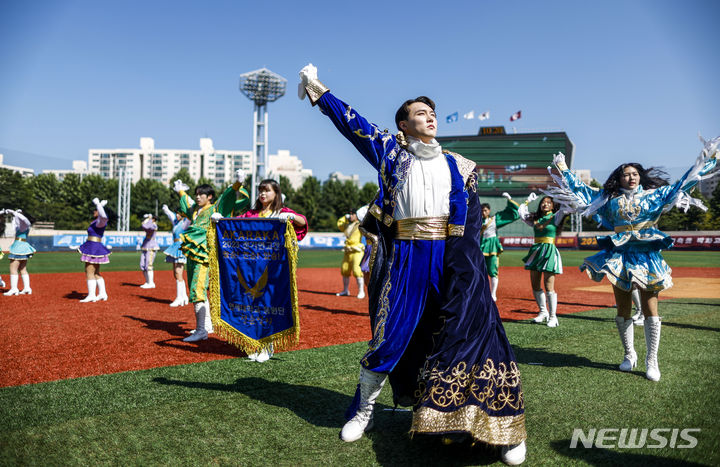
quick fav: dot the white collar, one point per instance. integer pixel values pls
(630, 193)
(424, 150)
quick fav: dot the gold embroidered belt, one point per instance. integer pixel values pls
(550, 240)
(422, 228)
(634, 227)
(92, 238)
(18, 239)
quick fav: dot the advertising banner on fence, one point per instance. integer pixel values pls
(253, 289)
(110, 240)
(682, 242)
(527, 242)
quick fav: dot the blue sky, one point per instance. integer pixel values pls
(627, 80)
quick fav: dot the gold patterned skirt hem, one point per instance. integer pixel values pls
(472, 419)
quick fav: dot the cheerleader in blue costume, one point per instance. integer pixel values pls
(174, 255)
(437, 332)
(95, 254)
(631, 202)
(19, 253)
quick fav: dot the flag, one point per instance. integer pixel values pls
(470, 115)
(253, 288)
(452, 117)
(516, 115)
(484, 115)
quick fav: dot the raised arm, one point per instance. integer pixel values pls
(228, 200)
(170, 215)
(705, 163)
(186, 202)
(524, 212)
(367, 138)
(102, 216)
(20, 222)
(509, 214)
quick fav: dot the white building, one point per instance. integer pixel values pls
(288, 166)
(78, 167)
(707, 186)
(24, 171)
(584, 175)
(355, 178)
(147, 161)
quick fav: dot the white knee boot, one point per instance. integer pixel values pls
(627, 337)
(26, 285)
(371, 384)
(208, 318)
(638, 317)
(493, 288)
(552, 309)
(13, 285)
(200, 332)
(361, 287)
(652, 341)
(102, 293)
(181, 297)
(542, 305)
(149, 279)
(91, 297)
(346, 287)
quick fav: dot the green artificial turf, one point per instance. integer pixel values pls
(289, 410)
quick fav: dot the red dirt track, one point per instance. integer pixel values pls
(49, 335)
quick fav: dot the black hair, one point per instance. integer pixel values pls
(485, 205)
(277, 204)
(403, 112)
(651, 177)
(205, 189)
(539, 213)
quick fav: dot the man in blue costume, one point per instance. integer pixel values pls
(437, 333)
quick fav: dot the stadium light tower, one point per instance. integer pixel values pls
(261, 86)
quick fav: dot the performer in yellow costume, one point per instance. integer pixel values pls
(354, 250)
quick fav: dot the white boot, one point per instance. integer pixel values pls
(361, 287)
(266, 353)
(513, 454)
(540, 300)
(638, 317)
(26, 285)
(180, 296)
(13, 285)
(102, 293)
(2, 282)
(493, 288)
(652, 341)
(552, 309)
(149, 280)
(200, 332)
(208, 318)
(346, 285)
(627, 337)
(371, 384)
(91, 297)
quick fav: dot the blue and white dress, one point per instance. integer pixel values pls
(20, 249)
(631, 256)
(173, 253)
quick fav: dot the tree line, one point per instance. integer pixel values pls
(68, 203)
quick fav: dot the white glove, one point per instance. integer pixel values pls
(286, 216)
(179, 186)
(164, 207)
(559, 160)
(307, 74)
(240, 176)
(96, 201)
(147, 215)
(507, 195)
(531, 197)
(216, 216)
(103, 202)
(2, 212)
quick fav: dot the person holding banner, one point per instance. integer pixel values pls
(94, 254)
(174, 255)
(20, 252)
(353, 254)
(270, 204)
(543, 260)
(490, 244)
(149, 248)
(194, 243)
(631, 201)
(437, 332)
